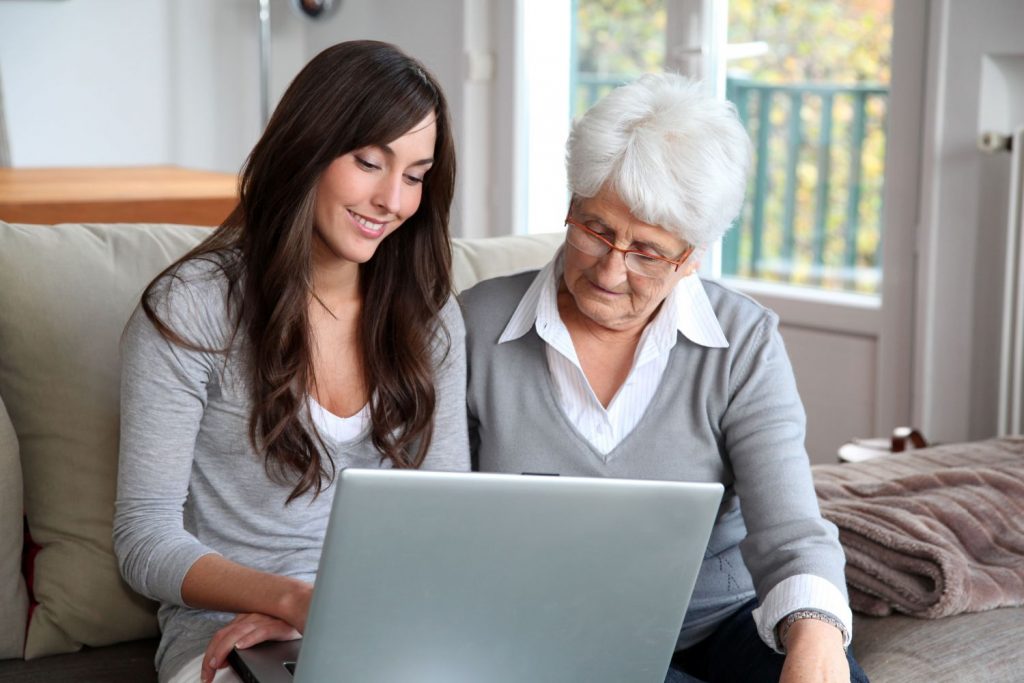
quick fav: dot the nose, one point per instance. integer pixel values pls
(388, 194)
(612, 268)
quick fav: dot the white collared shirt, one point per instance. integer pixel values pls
(685, 310)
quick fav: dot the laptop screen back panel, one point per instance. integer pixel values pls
(429, 577)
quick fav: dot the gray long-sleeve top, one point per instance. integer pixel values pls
(189, 481)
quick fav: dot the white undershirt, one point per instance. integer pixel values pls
(340, 429)
(688, 311)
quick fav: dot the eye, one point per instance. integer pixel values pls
(366, 165)
(651, 251)
(647, 258)
(413, 180)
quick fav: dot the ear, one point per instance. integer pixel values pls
(692, 264)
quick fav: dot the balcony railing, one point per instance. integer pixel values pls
(814, 208)
(813, 214)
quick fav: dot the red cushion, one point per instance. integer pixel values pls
(28, 562)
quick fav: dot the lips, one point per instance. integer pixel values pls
(370, 228)
(602, 291)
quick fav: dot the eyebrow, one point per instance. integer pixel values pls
(391, 153)
(661, 249)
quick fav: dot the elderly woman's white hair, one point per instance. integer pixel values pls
(677, 157)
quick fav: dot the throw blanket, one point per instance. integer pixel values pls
(931, 532)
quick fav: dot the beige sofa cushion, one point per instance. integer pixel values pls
(478, 259)
(13, 596)
(977, 646)
(65, 295)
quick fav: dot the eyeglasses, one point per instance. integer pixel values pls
(642, 263)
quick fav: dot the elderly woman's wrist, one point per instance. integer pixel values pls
(809, 625)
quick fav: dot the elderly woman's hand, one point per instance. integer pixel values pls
(814, 654)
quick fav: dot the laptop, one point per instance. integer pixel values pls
(451, 577)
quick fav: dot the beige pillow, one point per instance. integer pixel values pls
(65, 295)
(13, 596)
(479, 259)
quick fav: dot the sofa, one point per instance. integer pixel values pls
(65, 294)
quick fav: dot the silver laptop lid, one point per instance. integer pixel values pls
(449, 577)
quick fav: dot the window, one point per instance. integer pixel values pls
(815, 109)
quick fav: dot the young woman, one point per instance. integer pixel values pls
(314, 330)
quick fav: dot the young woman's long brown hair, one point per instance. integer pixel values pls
(349, 96)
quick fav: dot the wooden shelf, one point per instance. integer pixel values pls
(144, 194)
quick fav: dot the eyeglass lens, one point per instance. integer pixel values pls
(592, 245)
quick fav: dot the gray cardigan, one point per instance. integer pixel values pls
(189, 482)
(729, 415)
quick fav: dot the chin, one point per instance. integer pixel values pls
(600, 314)
(360, 257)
(359, 250)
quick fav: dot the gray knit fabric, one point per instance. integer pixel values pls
(729, 415)
(189, 481)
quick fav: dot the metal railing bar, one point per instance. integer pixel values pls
(793, 157)
(853, 182)
(824, 176)
(764, 104)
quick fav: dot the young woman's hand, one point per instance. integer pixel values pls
(814, 654)
(245, 630)
(269, 606)
(290, 604)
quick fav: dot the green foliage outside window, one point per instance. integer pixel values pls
(616, 41)
(841, 45)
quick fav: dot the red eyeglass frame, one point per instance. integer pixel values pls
(674, 263)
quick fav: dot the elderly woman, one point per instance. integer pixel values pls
(618, 360)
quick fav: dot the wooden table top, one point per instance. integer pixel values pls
(123, 194)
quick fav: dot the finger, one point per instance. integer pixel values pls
(274, 630)
(220, 645)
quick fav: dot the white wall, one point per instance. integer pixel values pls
(86, 83)
(132, 82)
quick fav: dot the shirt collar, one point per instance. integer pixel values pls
(544, 284)
(686, 309)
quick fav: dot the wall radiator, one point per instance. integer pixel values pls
(1011, 350)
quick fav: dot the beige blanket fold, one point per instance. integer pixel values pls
(932, 532)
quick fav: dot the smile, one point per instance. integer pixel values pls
(369, 227)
